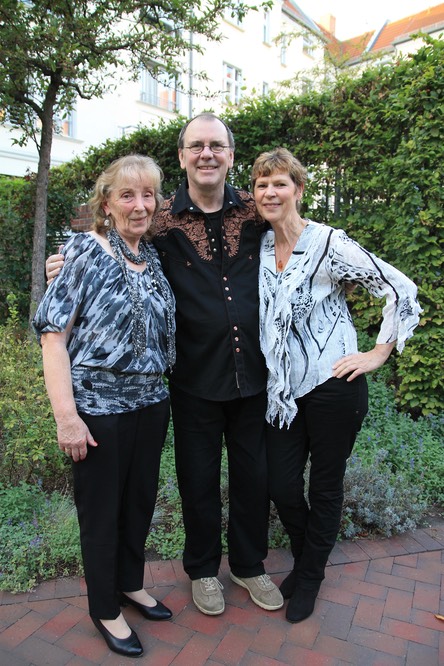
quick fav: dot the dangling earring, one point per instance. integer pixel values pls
(106, 223)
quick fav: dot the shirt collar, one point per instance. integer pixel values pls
(182, 200)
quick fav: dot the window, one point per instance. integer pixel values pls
(309, 45)
(232, 84)
(284, 51)
(66, 125)
(266, 28)
(265, 88)
(160, 91)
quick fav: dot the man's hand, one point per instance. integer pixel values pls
(54, 265)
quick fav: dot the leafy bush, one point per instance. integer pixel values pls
(166, 537)
(28, 441)
(374, 153)
(39, 537)
(16, 234)
(412, 448)
(377, 501)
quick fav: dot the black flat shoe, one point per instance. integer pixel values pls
(157, 612)
(301, 605)
(288, 585)
(128, 647)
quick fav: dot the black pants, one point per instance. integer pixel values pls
(115, 490)
(199, 427)
(325, 429)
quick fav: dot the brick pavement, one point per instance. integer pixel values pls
(376, 607)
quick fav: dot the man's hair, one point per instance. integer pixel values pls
(206, 116)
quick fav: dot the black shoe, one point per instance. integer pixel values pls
(157, 612)
(301, 605)
(288, 585)
(129, 647)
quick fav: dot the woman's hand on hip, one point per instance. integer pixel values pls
(73, 436)
(357, 364)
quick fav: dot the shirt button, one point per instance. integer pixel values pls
(237, 350)
(235, 328)
(229, 298)
(225, 278)
(227, 288)
(236, 339)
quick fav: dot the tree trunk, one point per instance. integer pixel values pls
(41, 203)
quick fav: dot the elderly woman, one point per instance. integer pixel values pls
(317, 391)
(106, 327)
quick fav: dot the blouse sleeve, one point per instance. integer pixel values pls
(65, 294)
(349, 262)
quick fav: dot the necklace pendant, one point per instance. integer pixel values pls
(280, 266)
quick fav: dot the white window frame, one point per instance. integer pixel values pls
(67, 125)
(283, 54)
(308, 44)
(161, 92)
(232, 84)
(266, 29)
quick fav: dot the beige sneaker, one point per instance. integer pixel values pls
(262, 591)
(207, 595)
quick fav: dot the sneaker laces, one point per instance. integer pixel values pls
(210, 584)
(265, 581)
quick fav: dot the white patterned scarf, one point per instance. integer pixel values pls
(275, 317)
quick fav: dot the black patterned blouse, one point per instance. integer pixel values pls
(106, 375)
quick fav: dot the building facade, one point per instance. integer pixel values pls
(253, 58)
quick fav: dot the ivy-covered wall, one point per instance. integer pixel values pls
(374, 147)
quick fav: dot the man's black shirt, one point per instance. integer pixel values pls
(212, 262)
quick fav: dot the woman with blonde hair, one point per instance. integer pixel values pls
(317, 391)
(107, 330)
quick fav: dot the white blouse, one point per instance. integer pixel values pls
(305, 325)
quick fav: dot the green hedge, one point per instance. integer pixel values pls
(374, 150)
(17, 197)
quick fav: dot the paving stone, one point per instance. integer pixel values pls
(376, 607)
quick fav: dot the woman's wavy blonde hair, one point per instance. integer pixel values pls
(129, 166)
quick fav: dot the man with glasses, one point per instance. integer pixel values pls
(208, 237)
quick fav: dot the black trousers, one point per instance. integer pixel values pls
(199, 428)
(115, 490)
(324, 429)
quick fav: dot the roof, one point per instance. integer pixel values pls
(296, 13)
(387, 35)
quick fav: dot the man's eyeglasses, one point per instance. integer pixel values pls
(197, 148)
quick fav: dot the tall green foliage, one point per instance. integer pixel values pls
(374, 151)
(28, 440)
(16, 229)
(54, 53)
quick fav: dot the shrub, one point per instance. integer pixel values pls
(372, 145)
(28, 440)
(376, 501)
(39, 537)
(413, 448)
(17, 197)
